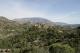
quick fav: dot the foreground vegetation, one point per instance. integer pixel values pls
(41, 38)
(38, 38)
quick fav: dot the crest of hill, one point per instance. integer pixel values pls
(3, 18)
(33, 19)
(6, 22)
(39, 20)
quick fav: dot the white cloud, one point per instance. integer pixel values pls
(71, 18)
(16, 10)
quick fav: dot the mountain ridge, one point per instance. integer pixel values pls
(36, 20)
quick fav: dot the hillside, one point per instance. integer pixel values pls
(7, 27)
(38, 35)
(34, 20)
(38, 20)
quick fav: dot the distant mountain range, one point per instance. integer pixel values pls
(36, 20)
(32, 20)
(9, 27)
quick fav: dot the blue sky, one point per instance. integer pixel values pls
(67, 11)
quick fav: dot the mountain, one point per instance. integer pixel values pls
(73, 25)
(32, 20)
(35, 20)
(4, 22)
(18, 37)
(7, 27)
(3, 18)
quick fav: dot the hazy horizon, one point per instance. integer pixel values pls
(66, 11)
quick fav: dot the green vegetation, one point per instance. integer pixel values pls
(61, 48)
(39, 38)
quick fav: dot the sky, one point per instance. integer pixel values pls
(67, 11)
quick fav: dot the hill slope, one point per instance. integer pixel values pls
(21, 38)
(7, 27)
(35, 20)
